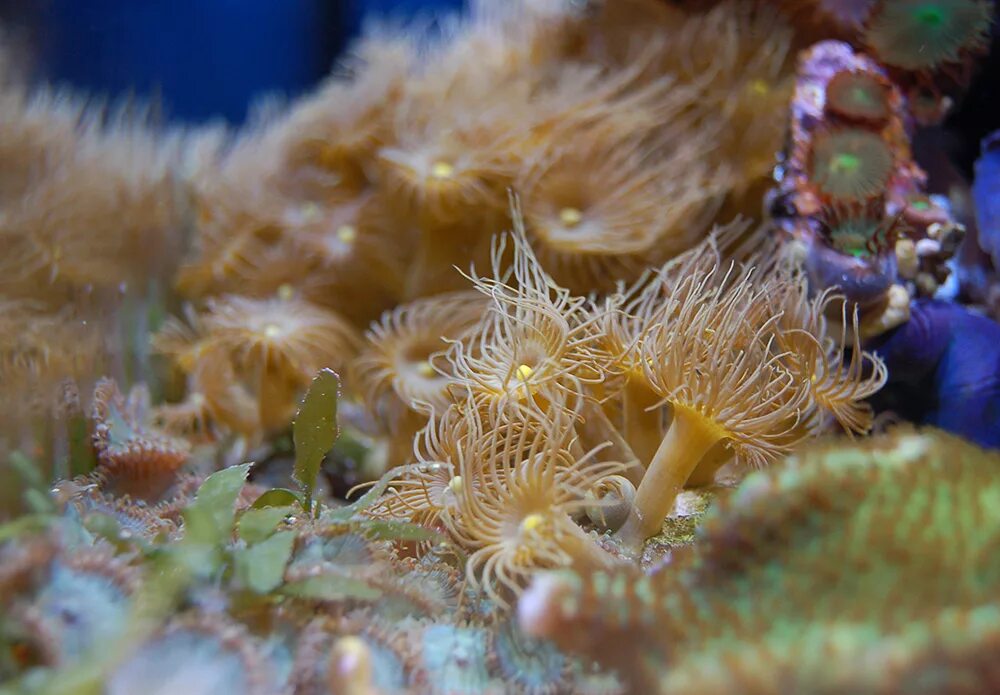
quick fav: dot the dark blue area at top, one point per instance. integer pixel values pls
(202, 58)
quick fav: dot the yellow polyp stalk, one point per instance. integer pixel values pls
(716, 458)
(690, 437)
(597, 429)
(641, 420)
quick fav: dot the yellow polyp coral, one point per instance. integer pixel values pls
(623, 321)
(519, 488)
(287, 336)
(348, 243)
(250, 359)
(738, 85)
(43, 345)
(371, 191)
(336, 131)
(711, 359)
(398, 362)
(92, 210)
(398, 368)
(270, 216)
(697, 363)
(535, 339)
(594, 211)
(424, 491)
(439, 172)
(838, 388)
(97, 218)
(701, 364)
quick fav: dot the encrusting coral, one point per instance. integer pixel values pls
(264, 350)
(861, 568)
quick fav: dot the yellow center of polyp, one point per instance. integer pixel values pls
(570, 217)
(442, 170)
(759, 87)
(285, 292)
(531, 522)
(347, 233)
(272, 330)
(455, 484)
(524, 372)
(425, 369)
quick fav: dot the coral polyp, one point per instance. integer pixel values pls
(850, 165)
(519, 489)
(722, 381)
(926, 34)
(589, 232)
(859, 96)
(132, 457)
(535, 340)
(249, 359)
(860, 232)
(401, 366)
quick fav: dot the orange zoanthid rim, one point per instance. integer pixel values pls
(858, 96)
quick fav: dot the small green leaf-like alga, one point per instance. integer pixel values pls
(209, 519)
(256, 525)
(315, 429)
(262, 566)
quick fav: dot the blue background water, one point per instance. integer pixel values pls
(199, 58)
